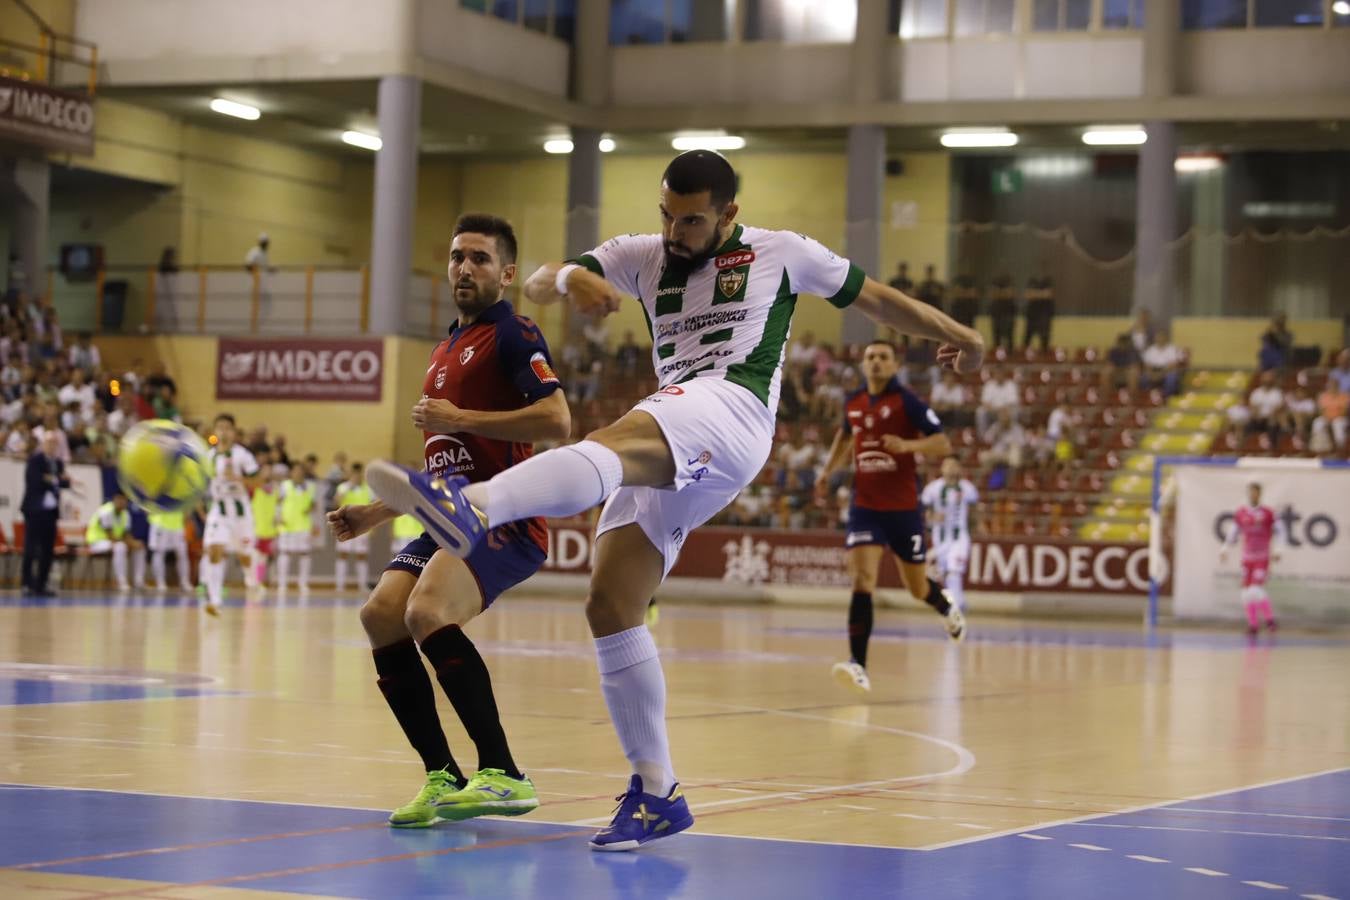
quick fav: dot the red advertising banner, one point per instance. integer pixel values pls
(37, 114)
(300, 369)
(816, 558)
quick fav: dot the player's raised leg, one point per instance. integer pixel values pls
(927, 590)
(628, 570)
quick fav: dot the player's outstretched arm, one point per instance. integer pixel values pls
(589, 293)
(839, 449)
(936, 444)
(963, 348)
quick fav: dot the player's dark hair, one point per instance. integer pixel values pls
(881, 342)
(227, 417)
(696, 171)
(357, 467)
(493, 227)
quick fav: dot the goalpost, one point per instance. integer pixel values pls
(1192, 501)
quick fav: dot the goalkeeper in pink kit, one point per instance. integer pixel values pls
(1260, 531)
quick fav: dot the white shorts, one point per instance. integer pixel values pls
(359, 546)
(720, 435)
(952, 555)
(234, 533)
(166, 540)
(294, 541)
(98, 548)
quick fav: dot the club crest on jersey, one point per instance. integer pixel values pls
(465, 357)
(735, 258)
(729, 281)
(542, 370)
(885, 412)
(440, 378)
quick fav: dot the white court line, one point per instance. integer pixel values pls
(1133, 809)
(1091, 847)
(1147, 859)
(1274, 834)
(1035, 837)
(1212, 873)
(965, 761)
(859, 808)
(1316, 897)
(1267, 885)
(1242, 812)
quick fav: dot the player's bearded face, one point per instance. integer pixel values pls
(691, 227)
(477, 275)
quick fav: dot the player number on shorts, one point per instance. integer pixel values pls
(918, 544)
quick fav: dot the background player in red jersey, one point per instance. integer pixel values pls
(1259, 529)
(489, 393)
(884, 426)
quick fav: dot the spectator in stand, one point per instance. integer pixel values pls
(1040, 309)
(965, 299)
(824, 363)
(628, 356)
(1007, 442)
(1340, 375)
(1164, 364)
(1142, 331)
(1266, 403)
(827, 401)
(902, 282)
(123, 415)
(51, 344)
(1066, 445)
(951, 401)
(84, 355)
(1123, 365)
(1277, 344)
(999, 394)
(930, 290)
(1301, 409)
(80, 393)
(1060, 423)
(596, 333)
(1330, 426)
(1003, 309)
(51, 424)
(803, 350)
(796, 460)
(165, 403)
(1039, 449)
(336, 475)
(20, 440)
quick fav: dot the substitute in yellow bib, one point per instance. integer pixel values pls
(354, 492)
(109, 532)
(167, 536)
(266, 503)
(297, 501)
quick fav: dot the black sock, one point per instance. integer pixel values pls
(936, 598)
(859, 626)
(408, 691)
(464, 677)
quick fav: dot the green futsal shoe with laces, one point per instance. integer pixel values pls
(421, 811)
(490, 792)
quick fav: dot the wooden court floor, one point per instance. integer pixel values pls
(1028, 724)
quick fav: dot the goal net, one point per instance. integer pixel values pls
(1193, 501)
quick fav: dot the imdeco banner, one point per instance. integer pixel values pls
(46, 116)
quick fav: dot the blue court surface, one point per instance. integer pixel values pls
(1290, 838)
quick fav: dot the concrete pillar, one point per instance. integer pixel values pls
(862, 226)
(1162, 38)
(590, 55)
(1156, 222)
(1207, 290)
(31, 222)
(391, 241)
(871, 43)
(583, 192)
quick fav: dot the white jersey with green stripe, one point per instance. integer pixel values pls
(951, 503)
(730, 317)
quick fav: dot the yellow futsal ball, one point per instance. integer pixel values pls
(163, 466)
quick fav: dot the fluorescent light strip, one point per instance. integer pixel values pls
(1115, 136)
(708, 142)
(362, 140)
(238, 110)
(1197, 163)
(558, 145)
(969, 138)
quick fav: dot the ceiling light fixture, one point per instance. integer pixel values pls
(1341, 7)
(1197, 163)
(708, 142)
(558, 145)
(238, 110)
(606, 145)
(1115, 135)
(362, 140)
(966, 138)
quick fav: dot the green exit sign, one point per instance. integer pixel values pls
(1007, 181)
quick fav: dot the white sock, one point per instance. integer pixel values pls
(635, 692)
(138, 567)
(246, 563)
(119, 563)
(340, 574)
(956, 589)
(362, 574)
(215, 580)
(283, 570)
(157, 565)
(560, 482)
(184, 580)
(305, 562)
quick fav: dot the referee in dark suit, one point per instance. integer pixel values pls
(43, 478)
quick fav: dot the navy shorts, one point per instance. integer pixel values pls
(498, 563)
(901, 530)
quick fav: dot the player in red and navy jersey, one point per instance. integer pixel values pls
(884, 426)
(489, 393)
(1260, 532)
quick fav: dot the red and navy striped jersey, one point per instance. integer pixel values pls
(499, 362)
(883, 481)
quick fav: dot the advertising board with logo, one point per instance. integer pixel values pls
(48, 117)
(295, 369)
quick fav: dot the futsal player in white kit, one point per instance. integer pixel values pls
(229, 517)
(948, 500)
(719, 297)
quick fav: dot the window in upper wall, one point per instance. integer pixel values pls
(1123, 13)
(474, 5)
(922, 18)
(1287, 13)
(1201, 15)
(564, 19)
(637, 22)
(799, 22)
(984, 17)
(701, 20)
(536, 15)
(1061, 15)
(507, 10)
